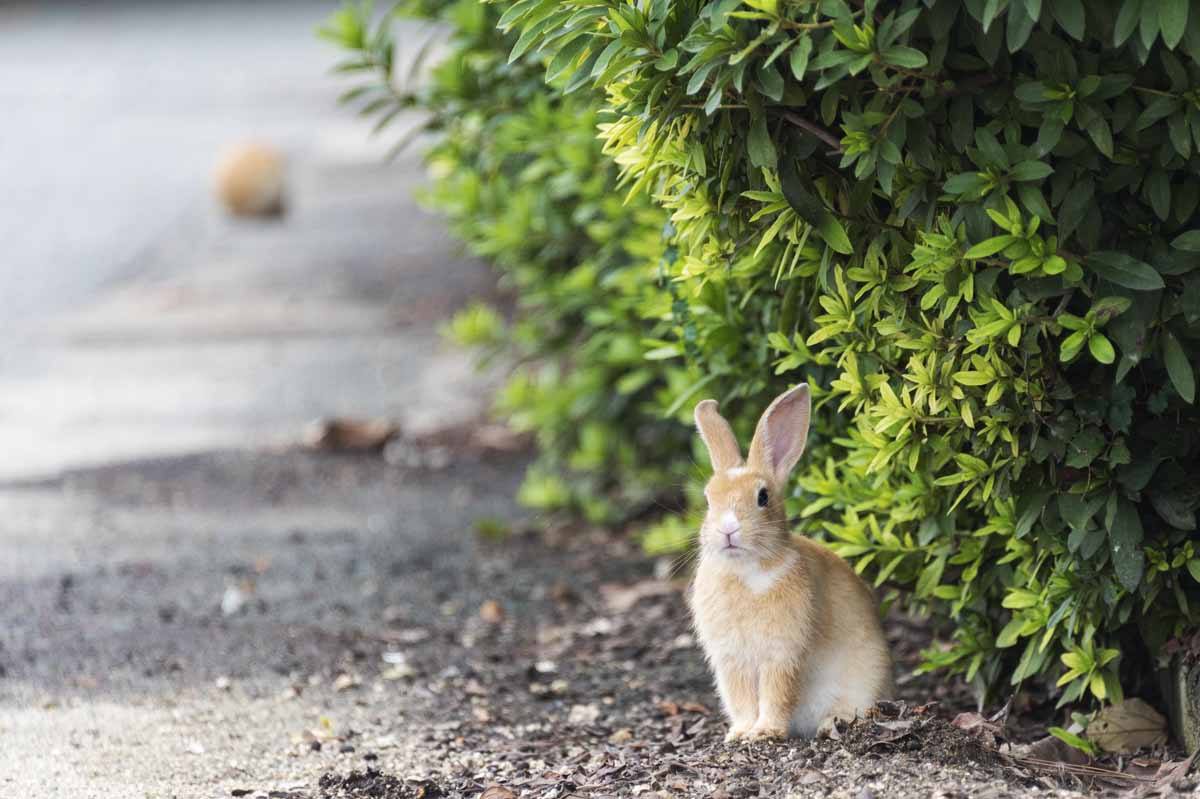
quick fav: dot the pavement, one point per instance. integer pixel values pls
(170, 557)
(139, 321)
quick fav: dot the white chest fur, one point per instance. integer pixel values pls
(760, 580)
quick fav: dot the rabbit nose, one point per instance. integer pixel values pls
(728, 526)
(728, 523)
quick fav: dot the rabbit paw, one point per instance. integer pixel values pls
(736, 733)
(828, 729)
(762, 732)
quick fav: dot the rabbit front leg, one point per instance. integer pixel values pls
(738, 689)
(778, 692)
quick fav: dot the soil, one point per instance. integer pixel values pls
(418, 637)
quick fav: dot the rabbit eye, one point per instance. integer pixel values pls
(762, 497)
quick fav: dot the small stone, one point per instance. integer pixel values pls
(491, 611)
(345, 682)
(250, 179)
(583, 714)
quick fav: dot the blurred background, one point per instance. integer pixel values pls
(140, 319)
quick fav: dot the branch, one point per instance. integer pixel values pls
(815, 129)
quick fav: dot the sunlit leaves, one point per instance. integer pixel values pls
(987, 267)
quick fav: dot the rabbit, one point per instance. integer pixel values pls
(791, 633)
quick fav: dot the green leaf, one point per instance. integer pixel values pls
(1173, 18)
(1072, 740)
(1125, 540)
(1020, 25)
(1127, 21)
(964, 182)
(835, 235)
(771, 82)
(761, 148)
(1148, 25)
(1100, 133)
(1189, 241)
(799, 57)
(1158, 189)
(1123, 270)
(1083, 448)
(1101, 348)
(1031, 170)
(1070, 15)
(1071, 345)
(905, 57)
(1178, 367)
(1193, 567)
(990, 246)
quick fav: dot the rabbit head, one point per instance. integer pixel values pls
(746, 517)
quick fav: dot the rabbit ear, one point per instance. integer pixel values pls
(781, 433)
(718, 436)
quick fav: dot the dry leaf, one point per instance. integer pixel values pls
(621, 736)
(350, 435)
(621, 598)
(987, 732)
(1128, 726)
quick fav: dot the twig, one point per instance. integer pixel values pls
(1060, 767)
(815, 129)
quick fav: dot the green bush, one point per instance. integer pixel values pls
(971, 226)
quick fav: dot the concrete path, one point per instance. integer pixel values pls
(138, 321)
(170, 564)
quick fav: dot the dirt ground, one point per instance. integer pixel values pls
(311, 626)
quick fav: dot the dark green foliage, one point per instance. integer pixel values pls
(970, 225)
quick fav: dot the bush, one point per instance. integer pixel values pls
(971, 226)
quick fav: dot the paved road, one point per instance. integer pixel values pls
(138, 320)
(158, 527)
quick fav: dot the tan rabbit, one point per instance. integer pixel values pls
(791, 632)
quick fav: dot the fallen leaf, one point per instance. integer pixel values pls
(1127, 726)
(668, 707)
(986, 731)
(621, 736)
(621, 598)
(810, 776)
(350, 435)
(694, 707)
(491, 611)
